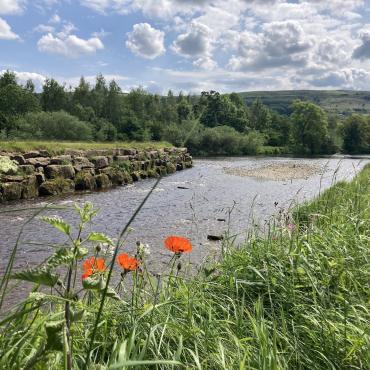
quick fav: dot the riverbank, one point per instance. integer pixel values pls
(295, 298)
(26, 174)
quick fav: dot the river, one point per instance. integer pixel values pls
(190, 203)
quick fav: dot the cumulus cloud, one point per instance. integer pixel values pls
(22, 77)
(6, 32)
(363, 51)
(206, 63)
(69, 46)
(146, 41)
(195, 42)
(11, 6)
(279, 44)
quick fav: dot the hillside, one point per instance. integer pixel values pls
(337, 101)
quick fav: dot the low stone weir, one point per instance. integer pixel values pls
(38, 173)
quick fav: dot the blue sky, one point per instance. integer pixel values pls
(190, 45)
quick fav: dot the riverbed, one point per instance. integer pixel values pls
(215, 196)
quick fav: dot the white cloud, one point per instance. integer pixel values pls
(69, 46)
(362, 52)
(206, 63)
(196, 42)
(43, 28)
(279, 44)
(11, 6)
(6, 32)
(55, 19)
(146, 41)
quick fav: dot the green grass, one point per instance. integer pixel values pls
(335, 101)
(295, 297)
(60, 147)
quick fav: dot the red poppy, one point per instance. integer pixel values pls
(92, 265)
(128, 263)
(177, 244)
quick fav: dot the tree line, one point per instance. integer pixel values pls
(209, 124)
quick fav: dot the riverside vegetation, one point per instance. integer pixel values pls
(211, 123)
(294, 296)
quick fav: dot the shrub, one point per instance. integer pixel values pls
(52, 126)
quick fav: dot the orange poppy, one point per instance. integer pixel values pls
(92, 265)
(128, 263)
(177, 244)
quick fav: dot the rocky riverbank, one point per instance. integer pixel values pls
(38, 173)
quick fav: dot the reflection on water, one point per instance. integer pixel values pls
(187, 203)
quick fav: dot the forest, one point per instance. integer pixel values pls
(208, 124)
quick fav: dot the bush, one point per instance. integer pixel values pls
(52, 126)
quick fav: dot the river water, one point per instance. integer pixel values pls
(212, 194)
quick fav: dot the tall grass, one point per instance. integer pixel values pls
(295, 298)
(59, 147)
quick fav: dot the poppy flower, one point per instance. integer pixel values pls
(92, 265)
(127, 263)
(178, 244)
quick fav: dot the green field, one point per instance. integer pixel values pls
(336, 101)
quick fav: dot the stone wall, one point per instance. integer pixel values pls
(38, 173)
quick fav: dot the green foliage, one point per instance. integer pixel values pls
(356, 134)
(52, 126)
(58, 223)
(310, 128)
(102, 112)
(40, 276)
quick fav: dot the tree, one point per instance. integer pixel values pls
(8, 78)
(259, 116)
(310, 128)
(356, 135)
(53, 96)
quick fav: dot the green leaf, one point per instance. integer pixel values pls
(111, 293)
(58, 223)
(54, 333)
(40, 276)
(81, 252)
(99, 237)
(63, 256)
(77, 315)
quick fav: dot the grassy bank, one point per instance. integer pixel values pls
(59, 147)
(295, 298)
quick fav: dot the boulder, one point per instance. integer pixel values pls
(18, 158)
(135, 176)
(81, 163)
(65, 171)
(12, 178)
(27, 169)
(61, 159)
(38, 161)
(100, 162)
(102, 181)
(56, 187)
(30, 187)
(122, 158)
(84, 180)
(128, 151)
(11, 190)
(170, 167)
(32, 154)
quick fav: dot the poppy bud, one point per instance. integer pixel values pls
(98, 248)
(179, 266)
(138, 243)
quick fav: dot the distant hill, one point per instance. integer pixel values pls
(334, 101)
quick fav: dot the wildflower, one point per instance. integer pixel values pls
(291, 227)
(128, 263)
(92, 265)
(178, 244)
(143, 250)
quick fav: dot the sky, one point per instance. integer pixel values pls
(190, 45)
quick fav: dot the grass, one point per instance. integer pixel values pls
(294, 297)
(60, 147)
